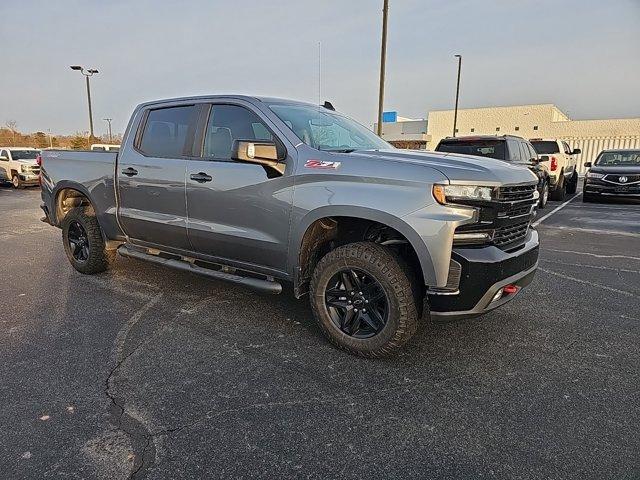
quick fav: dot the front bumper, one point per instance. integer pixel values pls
(599, 187)
(485, 272)
(29, 179)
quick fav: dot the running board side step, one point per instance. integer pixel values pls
(267, 286)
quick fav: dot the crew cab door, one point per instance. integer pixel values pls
(237, 211)
(151, 177)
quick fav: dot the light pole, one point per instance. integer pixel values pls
(383, 60)
(455, 113)
(87, 73)
(108, 120)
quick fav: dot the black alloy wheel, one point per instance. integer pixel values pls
(357, 303)
(78, 242)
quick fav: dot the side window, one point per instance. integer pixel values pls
(514, 150)
(567, 150)
(228, 123)
(524, 152)
(168, 132)
(3, 154)
(532, 151)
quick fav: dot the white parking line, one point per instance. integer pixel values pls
(586, 282)
(594, 254)
(595, 230)
(559, 207)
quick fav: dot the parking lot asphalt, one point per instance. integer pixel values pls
(146, 372)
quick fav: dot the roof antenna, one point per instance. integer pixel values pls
(328, 106)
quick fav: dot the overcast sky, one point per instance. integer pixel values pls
(582, 55)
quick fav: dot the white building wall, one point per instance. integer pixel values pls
(537, 121)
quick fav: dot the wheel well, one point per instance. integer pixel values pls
(69, 198)
(328, 233)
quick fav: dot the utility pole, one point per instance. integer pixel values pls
(87, 73)
(319, 73)
(383, 60)
(455, 112)
(50, 138)
(108, 120)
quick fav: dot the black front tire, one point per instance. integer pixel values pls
(391, 275)
(16, 182)
(588, 198)
(98, 258)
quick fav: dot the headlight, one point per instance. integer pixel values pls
(23, 168)
(450, 193)
(594, 175)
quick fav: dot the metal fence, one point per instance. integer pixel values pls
(592, 146)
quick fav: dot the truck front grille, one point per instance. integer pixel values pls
(506, 218)
(510, 235)
(516, 192)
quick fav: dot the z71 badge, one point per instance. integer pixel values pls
(322, 165)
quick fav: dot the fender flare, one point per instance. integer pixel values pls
(424, 257)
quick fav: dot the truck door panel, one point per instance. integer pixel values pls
(151, 178)
(243, 212)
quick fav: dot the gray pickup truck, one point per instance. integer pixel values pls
(260, 191)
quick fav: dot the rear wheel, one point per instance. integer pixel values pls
(560, 191)
(16, 182)
(544, 195)
(83, 242)
(572, 186)
(362, 299)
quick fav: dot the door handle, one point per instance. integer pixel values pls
(130, 172)
(201, 177)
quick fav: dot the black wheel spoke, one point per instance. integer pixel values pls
(357, 303)
(373, 319)
(78, 242)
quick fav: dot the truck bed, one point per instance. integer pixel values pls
(90, 172)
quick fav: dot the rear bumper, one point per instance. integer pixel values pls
(485, 272)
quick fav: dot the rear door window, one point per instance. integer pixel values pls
(168, 132)
(545, 147)
(481, 148)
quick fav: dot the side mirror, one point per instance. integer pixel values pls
(543, 158)
(260, 152)
(576, 151)
(587, 164)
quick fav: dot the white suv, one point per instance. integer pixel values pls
(560, 163)
(18, 165)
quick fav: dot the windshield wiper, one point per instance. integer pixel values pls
(338, 150)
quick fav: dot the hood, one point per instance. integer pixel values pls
(460, 169)
(629, 170)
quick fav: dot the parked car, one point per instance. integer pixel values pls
(615, 173)
(105, 147)
(506, 147)
(18, 165)
(560, 161)
(260, 191)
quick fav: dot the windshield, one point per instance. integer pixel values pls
(545, 147)
(621, 159)
(326, 130)
(24, 154)
(479, 148)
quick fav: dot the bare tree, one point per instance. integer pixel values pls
(13, 126)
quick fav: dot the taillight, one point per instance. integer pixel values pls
(39, 163)
(554, 163)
